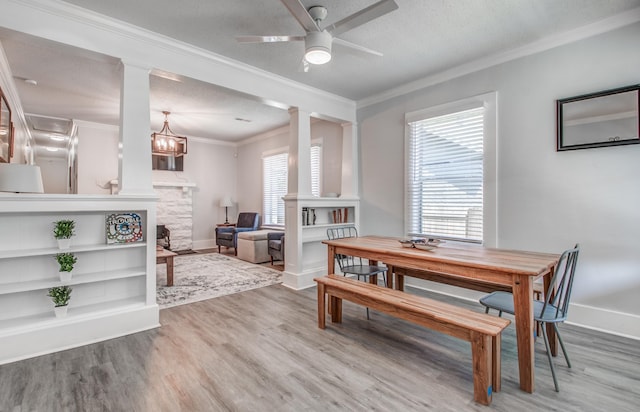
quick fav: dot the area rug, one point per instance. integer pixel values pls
(198, 277)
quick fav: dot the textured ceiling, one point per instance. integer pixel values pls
(419, 39)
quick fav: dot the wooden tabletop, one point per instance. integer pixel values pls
(389, 250)
(164, 253)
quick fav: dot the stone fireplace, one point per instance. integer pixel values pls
(174, 210)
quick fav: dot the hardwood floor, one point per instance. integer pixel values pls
(261, 350)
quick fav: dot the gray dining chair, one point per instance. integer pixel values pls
(552, 308)
(353, 265)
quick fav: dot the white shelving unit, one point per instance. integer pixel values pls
(113, 284)
(311, 257)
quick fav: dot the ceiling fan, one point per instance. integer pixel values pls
(318, 40)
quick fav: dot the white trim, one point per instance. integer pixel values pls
(112, 37)
(614, 22)
(97, 126)
(613, 322)
(490, 165)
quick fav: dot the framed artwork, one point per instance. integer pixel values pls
(6, 132)
(124, 228)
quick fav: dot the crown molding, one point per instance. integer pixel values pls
(547, 43)
(122, 29)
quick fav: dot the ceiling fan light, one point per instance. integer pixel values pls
(318, 47)
(317, 56)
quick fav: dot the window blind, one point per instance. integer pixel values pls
(274, 188)
(445, 176)
(316, 161)
(275, 169)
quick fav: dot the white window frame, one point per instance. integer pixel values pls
(490, 166)
(285, 150)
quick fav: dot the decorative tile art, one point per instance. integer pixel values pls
(124, 228)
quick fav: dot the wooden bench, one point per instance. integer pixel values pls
(481, 330)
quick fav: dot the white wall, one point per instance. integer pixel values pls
(210, 165)
(54, 174)
(97, 157)
(547, 200)
(250, 152)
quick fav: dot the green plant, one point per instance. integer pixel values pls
(66, 261)
(63, 229)
(60, 295)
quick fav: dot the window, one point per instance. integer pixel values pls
(275, 183)
(274, 188)
(445, 174)
(316, 161)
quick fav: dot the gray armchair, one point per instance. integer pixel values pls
(228, 236)
(275, 246)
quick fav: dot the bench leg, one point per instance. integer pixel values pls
(336, 309)
(321, 313)
(497, 365)
(481, 353)
(399, 281)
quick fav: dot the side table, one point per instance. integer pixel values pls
(166, 256)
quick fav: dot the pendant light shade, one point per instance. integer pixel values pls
(167, 143)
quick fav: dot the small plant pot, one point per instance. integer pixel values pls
(64, 244)
(65, 276)
(61, 311)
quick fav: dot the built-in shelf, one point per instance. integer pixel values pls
(113, 293)
(76, 279)
(74, 314)
(18, 253)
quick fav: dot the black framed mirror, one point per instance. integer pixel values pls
(606, 118)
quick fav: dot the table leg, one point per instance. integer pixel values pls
(331, 267)
(523, 305)
(321, 314)
(389, 277)
(331, 260)
(551, 332)
(169, 260)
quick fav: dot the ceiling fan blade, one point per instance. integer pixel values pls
(297, 9)
(356, 47)
(361, 17)
(303, 66)
(267, 39)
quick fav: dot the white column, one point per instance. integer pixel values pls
(299, 173)
(349, 160)
(134, 158)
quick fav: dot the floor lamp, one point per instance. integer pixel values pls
(226, 203)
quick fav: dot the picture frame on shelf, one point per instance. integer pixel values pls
(124, 228)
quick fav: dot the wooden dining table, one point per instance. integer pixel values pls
(466, 265)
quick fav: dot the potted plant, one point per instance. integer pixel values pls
(60, 296)
(63, 230)
(66, 262)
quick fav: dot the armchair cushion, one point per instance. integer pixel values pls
(275, 245)
(228, 236)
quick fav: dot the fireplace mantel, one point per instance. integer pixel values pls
(186, 186)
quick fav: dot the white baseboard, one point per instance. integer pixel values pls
(299, 281)
(72, 333)
(204, 244)
(603, 320)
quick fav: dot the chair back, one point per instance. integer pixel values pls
(248, 219)
(343, 232)
(556, 303)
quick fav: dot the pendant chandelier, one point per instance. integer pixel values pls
(167, 143)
